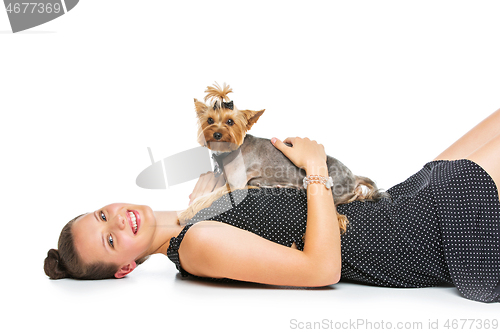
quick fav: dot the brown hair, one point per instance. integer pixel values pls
(66, 263)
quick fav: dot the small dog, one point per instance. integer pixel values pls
(250, 161)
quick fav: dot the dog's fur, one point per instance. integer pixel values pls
(255, 161)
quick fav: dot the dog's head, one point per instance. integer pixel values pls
(222, 127)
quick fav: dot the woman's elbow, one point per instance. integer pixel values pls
(335, 278)
(328, 275)
(332, 278)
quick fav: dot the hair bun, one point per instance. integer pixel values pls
(53, 266)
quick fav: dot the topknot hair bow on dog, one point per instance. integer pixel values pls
(228, 105)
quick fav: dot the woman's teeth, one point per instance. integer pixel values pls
(134, 221)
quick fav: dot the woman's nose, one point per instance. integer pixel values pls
(121, 221)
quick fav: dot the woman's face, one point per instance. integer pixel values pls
(111, 235)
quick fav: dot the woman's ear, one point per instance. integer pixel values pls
(124, 270)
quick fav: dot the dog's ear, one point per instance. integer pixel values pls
(252, 117)
(200, 107)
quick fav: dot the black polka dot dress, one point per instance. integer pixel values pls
(441, 225)
(276, 214)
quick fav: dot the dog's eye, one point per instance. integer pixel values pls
(210, 121)
(230, 122)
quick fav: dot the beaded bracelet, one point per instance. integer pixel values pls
(315, 179)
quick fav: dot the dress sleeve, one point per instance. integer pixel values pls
(173, 250)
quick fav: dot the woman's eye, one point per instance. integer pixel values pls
(110, 240)
(210, 121)
(103, 217)
(230, 122)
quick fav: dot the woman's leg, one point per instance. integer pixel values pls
(474, 139)
(488, 157)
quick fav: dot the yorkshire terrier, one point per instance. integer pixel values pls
(246, 160)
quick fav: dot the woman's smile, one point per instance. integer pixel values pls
(134, 220)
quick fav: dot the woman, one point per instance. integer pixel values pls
(441, 226)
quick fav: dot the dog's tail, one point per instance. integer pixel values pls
(366, 189)
(217, 94)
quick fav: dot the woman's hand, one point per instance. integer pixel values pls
(304, 153)
(207, 183)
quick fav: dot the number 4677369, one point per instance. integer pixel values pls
(33, 7)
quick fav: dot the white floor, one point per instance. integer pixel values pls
(385, 86)
(156, 298)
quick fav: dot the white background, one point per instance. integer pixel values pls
(384, 85)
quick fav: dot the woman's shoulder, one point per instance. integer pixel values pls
(205, 234)
(206, 244)
(196, 248)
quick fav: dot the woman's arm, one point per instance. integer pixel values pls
(216, 249)
(322, 238)
(322, 241)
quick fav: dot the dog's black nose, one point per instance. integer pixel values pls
(217, 136)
